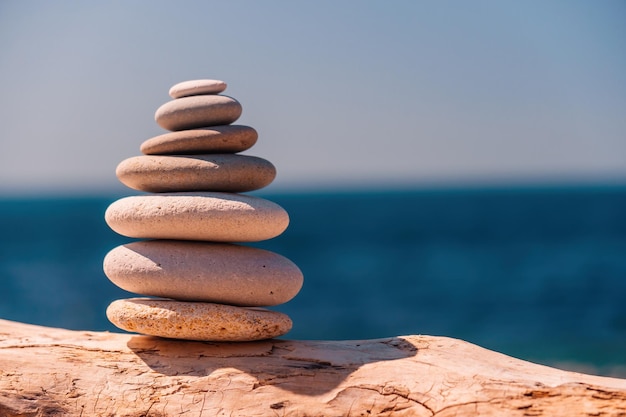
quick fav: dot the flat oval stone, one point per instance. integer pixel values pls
(217, 139)
(207, 216)
(201, 271)
(198, 111)
(197, 321)
(197, 87)
(218, 172)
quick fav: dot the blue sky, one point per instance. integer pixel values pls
(343, 93)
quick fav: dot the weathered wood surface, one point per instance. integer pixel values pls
(55, 372)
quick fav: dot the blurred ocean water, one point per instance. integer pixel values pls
(536, 273)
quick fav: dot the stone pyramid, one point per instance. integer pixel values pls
(202, 282)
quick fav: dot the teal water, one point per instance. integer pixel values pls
(538, 274)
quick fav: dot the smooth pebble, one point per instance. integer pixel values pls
(208, 216)
(197, 87)
(202, 271)
(217, 139)
(217, 172)
(198, 111)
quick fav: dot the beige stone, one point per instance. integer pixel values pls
(197, 321)
(198, 111)
(197, 87)
(208, 216)
(217, 172)
(217, 139)
(202, 271)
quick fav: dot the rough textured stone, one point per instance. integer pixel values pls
(201, 271)
(217, 139)
(219, 217)
(197, 87)
(217, 172)
(198, 111)
(197, 321)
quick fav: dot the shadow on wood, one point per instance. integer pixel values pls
(283, 364)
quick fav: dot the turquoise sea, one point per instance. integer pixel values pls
(536, 273)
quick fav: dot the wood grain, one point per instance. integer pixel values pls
(55, 372)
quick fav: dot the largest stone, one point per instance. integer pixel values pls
(201, 271)
(208, 216)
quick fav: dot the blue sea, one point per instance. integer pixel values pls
(536, 273)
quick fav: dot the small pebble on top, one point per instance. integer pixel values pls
(196, 88)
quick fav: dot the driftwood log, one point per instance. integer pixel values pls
(55, 372)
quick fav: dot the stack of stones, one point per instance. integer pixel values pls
(209, 287)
